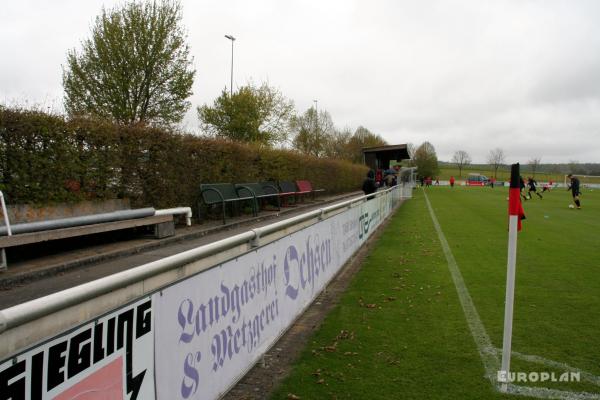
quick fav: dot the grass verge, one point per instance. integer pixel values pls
(399, 330)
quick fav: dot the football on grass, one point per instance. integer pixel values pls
(571, 206)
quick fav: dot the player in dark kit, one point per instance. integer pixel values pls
(574, 188)
(522, 187)
(531, 183)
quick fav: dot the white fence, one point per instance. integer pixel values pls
(187, 326)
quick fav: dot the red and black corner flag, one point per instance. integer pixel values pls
(515, 215)
(515, 208)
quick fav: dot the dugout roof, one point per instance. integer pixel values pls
(379, 157)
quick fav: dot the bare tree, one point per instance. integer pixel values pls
(336, 145)
(496, 159)
(410, 148)
(461, 158)
(534, 164)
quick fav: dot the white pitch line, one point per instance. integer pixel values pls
(586, 376)
(545, 393)
(484, 345)
(487, 351)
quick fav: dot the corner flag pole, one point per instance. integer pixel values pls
(516, 214)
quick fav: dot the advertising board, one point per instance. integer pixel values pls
(111, 357)
(211, 328)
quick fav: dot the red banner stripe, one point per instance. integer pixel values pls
(514, 205)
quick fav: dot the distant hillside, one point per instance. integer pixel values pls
(552, 169)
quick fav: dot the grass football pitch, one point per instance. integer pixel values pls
(400, 332)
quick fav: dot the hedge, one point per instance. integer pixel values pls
(47, 159)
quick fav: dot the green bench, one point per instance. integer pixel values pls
(223, 194)
(260, 192)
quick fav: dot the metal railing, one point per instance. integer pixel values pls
(145, 276)
(3, 261)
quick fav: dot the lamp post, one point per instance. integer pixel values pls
(231, 82)
(317, 144)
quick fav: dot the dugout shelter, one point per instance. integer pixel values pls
(379, 158)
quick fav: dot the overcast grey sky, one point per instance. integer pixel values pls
(472, 75)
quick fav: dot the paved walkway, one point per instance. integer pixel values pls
(37, 277)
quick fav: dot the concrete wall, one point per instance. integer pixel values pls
(20, 213)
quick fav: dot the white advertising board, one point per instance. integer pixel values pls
(196, 338)
(109, 358)
(211, 328)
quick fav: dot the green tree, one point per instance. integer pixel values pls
(425, 160)
(135, 68)
(362, 138)
(312, 132)
(252, 114)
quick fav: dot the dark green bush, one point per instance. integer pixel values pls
(46, 159)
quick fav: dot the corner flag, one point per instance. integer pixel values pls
(515, 208)
(515, 215)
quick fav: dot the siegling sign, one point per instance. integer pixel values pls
(111, 356)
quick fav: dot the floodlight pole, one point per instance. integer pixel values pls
(316, 124)
(231, 75)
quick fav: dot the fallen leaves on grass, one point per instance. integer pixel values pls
(344, 334)
(330, 349)
(361, 303)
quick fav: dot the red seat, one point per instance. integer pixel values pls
(305, 187)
